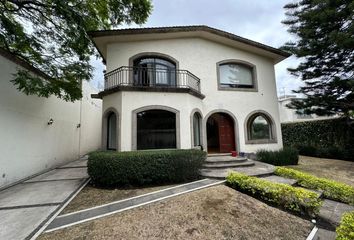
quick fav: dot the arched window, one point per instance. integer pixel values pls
(197, 129)
(260, 129)
(111, 131)
(154, 71)
(156, 129)
(233, 75)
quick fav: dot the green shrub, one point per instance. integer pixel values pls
(144, 167)
(332, 138)
(298, 200)
(307, 150)
(286, 156)
(331, 189)
(345, 231)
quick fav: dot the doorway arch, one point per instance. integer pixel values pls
(220, 132)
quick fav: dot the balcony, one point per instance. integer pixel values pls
(151, 79)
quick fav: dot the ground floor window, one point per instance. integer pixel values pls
(197, 129)
(260, 128)
(112, 131)
(156, 129)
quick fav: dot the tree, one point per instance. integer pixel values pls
(52, 37)
(324, 32)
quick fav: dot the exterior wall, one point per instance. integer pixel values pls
(200, 57)
(29, 145)
(91, 120)
(289, 115)
(286, 114)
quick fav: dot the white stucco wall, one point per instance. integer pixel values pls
(29, 145)
(286, 114)
(199, 56)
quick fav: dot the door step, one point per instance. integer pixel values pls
(225, 159)
(246, 163)
(218, 154)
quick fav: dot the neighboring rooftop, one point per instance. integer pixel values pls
(104, 37)
(15, 59)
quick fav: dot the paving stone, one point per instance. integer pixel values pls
(86, 215)
(77, 163)
(259, 169)
(61, 174)
(17, 224)
(225, 159)
(229, 164)
(278, 179)
(331, 212)
(38, 193)
(323, 234)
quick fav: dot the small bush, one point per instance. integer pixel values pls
(345, 231)
(331, 189)
(307, 150)
(297, 200)
(286, 156)
(144, 167)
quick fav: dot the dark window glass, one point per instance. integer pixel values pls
(196, 129)
(236, 75)
(111, 131)
(156, 129)
(260, 128)
(153, 71)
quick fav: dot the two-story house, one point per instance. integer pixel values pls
(186, 87)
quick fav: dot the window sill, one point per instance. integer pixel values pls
(261, 141)
(237, 89)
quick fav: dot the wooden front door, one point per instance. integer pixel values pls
(226, 134)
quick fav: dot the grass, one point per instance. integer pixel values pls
(338, 170)
(214, 213)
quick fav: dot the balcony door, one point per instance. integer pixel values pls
(154, 71)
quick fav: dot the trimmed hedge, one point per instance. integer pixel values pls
(345, 231)
(144, 167)
(331, 189)
(286, 156)
(331, 138)
(297, 200)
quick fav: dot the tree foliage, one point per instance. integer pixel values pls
(52, 36)
(324, 33)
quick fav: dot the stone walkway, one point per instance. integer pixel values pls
(89, 214)
(26, 207)
(330, 213)
(218, 166)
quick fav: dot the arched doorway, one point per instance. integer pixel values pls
(156, 129)
(220, 133)
(111, 131)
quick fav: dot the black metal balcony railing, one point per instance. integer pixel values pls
(151, 78)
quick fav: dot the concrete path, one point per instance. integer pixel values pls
(26, 207)
(323, 234)
(89, 214)
(331, 213)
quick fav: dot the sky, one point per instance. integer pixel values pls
(258, 20)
